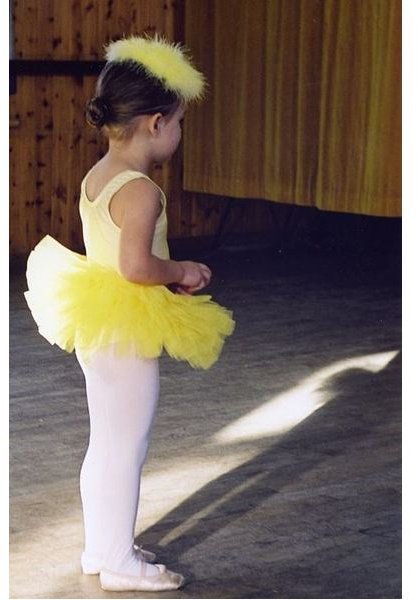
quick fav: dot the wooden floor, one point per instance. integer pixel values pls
(276, 474)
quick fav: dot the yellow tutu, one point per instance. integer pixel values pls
(83, 305)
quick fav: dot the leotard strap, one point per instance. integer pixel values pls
(115, 184)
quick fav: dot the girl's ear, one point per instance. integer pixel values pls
(154, 123)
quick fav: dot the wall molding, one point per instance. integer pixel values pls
(35, 67)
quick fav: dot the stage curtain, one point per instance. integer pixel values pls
(303, 104)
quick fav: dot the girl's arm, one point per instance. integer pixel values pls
(135, 209)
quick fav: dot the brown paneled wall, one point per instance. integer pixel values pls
(51, 145)
(78, 29)
(327, 142)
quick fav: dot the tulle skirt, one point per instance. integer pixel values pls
(80, 304)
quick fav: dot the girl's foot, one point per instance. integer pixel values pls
(163, 581)
(93, 567)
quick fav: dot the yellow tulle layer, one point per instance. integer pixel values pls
(83, 305)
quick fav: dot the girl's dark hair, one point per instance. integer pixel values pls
(124, 90)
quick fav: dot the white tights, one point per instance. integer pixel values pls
(122, 395)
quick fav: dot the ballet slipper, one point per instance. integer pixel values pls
(164, 581)
(93, 568)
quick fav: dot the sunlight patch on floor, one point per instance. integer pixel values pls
(176, 483)
(288, 409)
(273, 418)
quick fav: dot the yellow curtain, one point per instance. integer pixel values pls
(303, 104)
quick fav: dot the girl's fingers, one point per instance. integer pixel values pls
(206, 269)
(206, 274)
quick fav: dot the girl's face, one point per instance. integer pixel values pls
(168, 139)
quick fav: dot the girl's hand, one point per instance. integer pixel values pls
(183, 291)
(196, 276)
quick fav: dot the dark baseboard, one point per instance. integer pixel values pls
(329, 235)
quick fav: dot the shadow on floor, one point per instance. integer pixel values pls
(361, 408)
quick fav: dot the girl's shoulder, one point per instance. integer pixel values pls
(98, 184)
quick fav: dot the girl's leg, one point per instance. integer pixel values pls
(122, 395)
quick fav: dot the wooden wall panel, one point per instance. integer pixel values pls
(78, 29)
(50, 152)
(30, 190)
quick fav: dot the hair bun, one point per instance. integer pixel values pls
(97, 112)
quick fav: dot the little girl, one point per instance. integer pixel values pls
(124, 302)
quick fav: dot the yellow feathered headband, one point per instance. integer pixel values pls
(163, 60)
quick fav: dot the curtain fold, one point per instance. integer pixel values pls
(303, 105)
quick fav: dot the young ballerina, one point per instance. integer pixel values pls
(126, 300)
